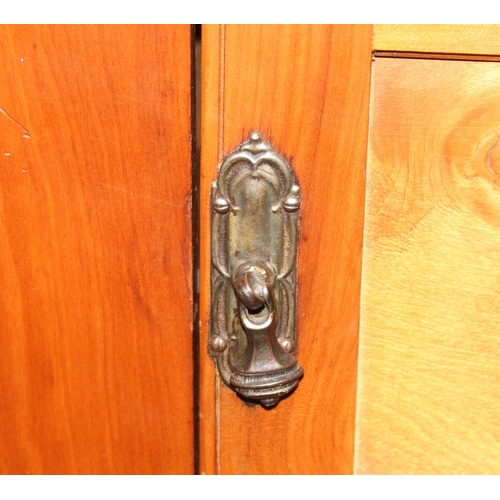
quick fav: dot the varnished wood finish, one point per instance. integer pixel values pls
(306, 89)
(95, 250)
(429, 392)
(211, 55)
(439, 38)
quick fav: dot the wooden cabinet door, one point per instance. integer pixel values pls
(423, 274)
(306, 90)
(96, 371)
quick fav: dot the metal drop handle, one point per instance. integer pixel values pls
(254, 242)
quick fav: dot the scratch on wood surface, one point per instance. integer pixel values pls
(26, 134)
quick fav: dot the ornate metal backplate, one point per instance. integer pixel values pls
(256, 202)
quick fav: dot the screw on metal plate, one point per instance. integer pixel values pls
(255, 202)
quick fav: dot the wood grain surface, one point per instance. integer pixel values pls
(480, 39)
(429, 373)
(306, 89)
(95, 250)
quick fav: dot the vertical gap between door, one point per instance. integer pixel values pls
(195, 221)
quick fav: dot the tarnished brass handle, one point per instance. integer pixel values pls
(254, 243)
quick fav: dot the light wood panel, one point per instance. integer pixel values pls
(306, 89)
(95, 250)
(442, 38)
(429, 373)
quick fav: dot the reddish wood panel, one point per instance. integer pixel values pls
(95, 250)
(306, 89)
(209, 387)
